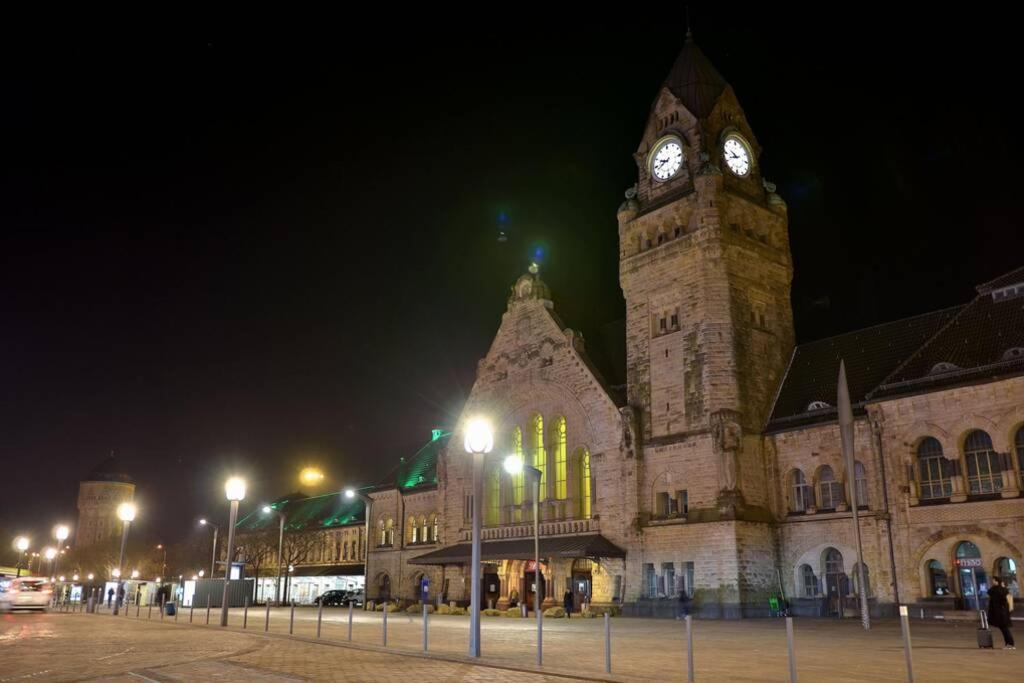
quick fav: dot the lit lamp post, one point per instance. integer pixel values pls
(50, 554)
(163, 565)
(368, 502)
(213, 558)
(126, 513)
(234, 488)
(61, 533)
(479, 442)
(21, 543)
(267, 509)
(514, 465)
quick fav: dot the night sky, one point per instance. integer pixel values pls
(233, 251)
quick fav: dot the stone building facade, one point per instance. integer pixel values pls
(106, 487)
(715, 468)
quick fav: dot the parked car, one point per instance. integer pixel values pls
(332, 597)
(27, 592)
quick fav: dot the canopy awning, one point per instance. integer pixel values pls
(590, 545)
(336, 570)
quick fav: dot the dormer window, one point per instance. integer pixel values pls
(941, 368)
(817, 405)
(1011, 292)
(1013, 354)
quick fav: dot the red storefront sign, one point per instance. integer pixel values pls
(967, 562)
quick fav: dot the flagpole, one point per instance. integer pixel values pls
(846, 438)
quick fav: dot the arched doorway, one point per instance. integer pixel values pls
(582, 581)
(835, 581)
(530, 592)
(384, 587)
(971, 576)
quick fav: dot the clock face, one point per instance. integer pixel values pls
(737, 156)
(667, 159)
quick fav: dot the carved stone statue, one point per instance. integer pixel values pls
(728, 440)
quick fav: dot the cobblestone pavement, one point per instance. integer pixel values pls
(642, 649)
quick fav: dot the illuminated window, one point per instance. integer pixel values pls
(517, 479)
(413, 533)
(540, 456)
(984, 474)
(423, 529)
(382, 533)
(560, 460)
(493, 497)
(389, 532)
(933, 470)
(583, 459)
(433, 528)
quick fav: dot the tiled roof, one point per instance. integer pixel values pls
(303, 514)
(980, 340)
(420, 469)
(695, 81)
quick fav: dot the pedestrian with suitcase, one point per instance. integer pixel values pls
(999, 612)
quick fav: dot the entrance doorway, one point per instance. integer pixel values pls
(529, 585)
(835, 581)
(971, 575)
(582, 581)
(491, 588)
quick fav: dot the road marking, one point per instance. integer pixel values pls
(145, 678)
(116, 654)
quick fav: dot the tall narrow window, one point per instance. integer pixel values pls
(650, 580)
(423, 528)
(583, 456)
(861, 481)
(802, 497)
(560, 460)
(1019, 443)
(413, 533)
(433, 528)
(933, 470)
(830, 493)
(517, 479)
(390, 529)
(493, 497)
(984, 474)
(808, 581)
(540, 455)
(382, 533)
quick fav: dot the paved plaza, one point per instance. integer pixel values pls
(66, 647)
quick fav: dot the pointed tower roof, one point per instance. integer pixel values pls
(694, 80)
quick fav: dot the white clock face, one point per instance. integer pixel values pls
(667, 160)
(737, 156)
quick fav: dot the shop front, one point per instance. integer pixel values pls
(304, 584)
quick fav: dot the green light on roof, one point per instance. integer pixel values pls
(435, 434)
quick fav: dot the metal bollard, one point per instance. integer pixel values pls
(162, 600)
(266, 620)
(207, 609)
(792, 653)
(540, 637)
(138, 606)
(689, 648)
(385, 624)
(425, 627)
(905, 625)
(149, 612)
(350, 621)
(191, 608)
(319, 617)
(245, 613)
(291, 621)
(177, 608)
(607, 644)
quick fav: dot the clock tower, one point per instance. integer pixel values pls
(705, 269)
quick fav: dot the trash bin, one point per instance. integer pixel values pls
(170, 608)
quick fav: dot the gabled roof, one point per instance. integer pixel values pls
(420, 469)
(695, 81)
(979, 340)
(304, 514)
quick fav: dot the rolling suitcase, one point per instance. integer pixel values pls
(984, 633)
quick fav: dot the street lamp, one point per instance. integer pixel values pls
(351, 493)
(61, 533)
(234, 489)
(92, 576)
(21, 543)
(213, 559)
(514, 465)
(479, 442)
(161, 546)
(49, 554)
(268, 509)
(126, 513)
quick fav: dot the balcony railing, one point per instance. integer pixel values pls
(565, 527)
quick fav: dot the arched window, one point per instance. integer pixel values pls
(433, 528)
(1006, 569)
(389, 530)
(382, 532)
(583, 468)
(561, 491)
(493, 497)
(412, 531)
(1019, 444)
(830, 493)
(861, 481)
(384, 587)
(540, 455)
(933, 470)
(517, 479)
(856, 579)
(808, 582)
(803, 496)
(938, 582)
(984, 475)
(423, 529)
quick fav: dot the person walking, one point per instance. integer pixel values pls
(683, 610)
(567, 603)
(999, 601)
(110, 597)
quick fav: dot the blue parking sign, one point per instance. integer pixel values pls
(424, 585)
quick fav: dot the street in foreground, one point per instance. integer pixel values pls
(63, 647)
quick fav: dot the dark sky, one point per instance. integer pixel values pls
(229, 250)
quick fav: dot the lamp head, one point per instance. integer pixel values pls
(202, 573)
(50, 553)
(92, 576)
(513, 464)
(126, 512)
(116, 573)
(267, 509)
(479, 436)
(234, 488)
(61, 532)
(21, 543)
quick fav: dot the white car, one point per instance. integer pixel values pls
(27, 592)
